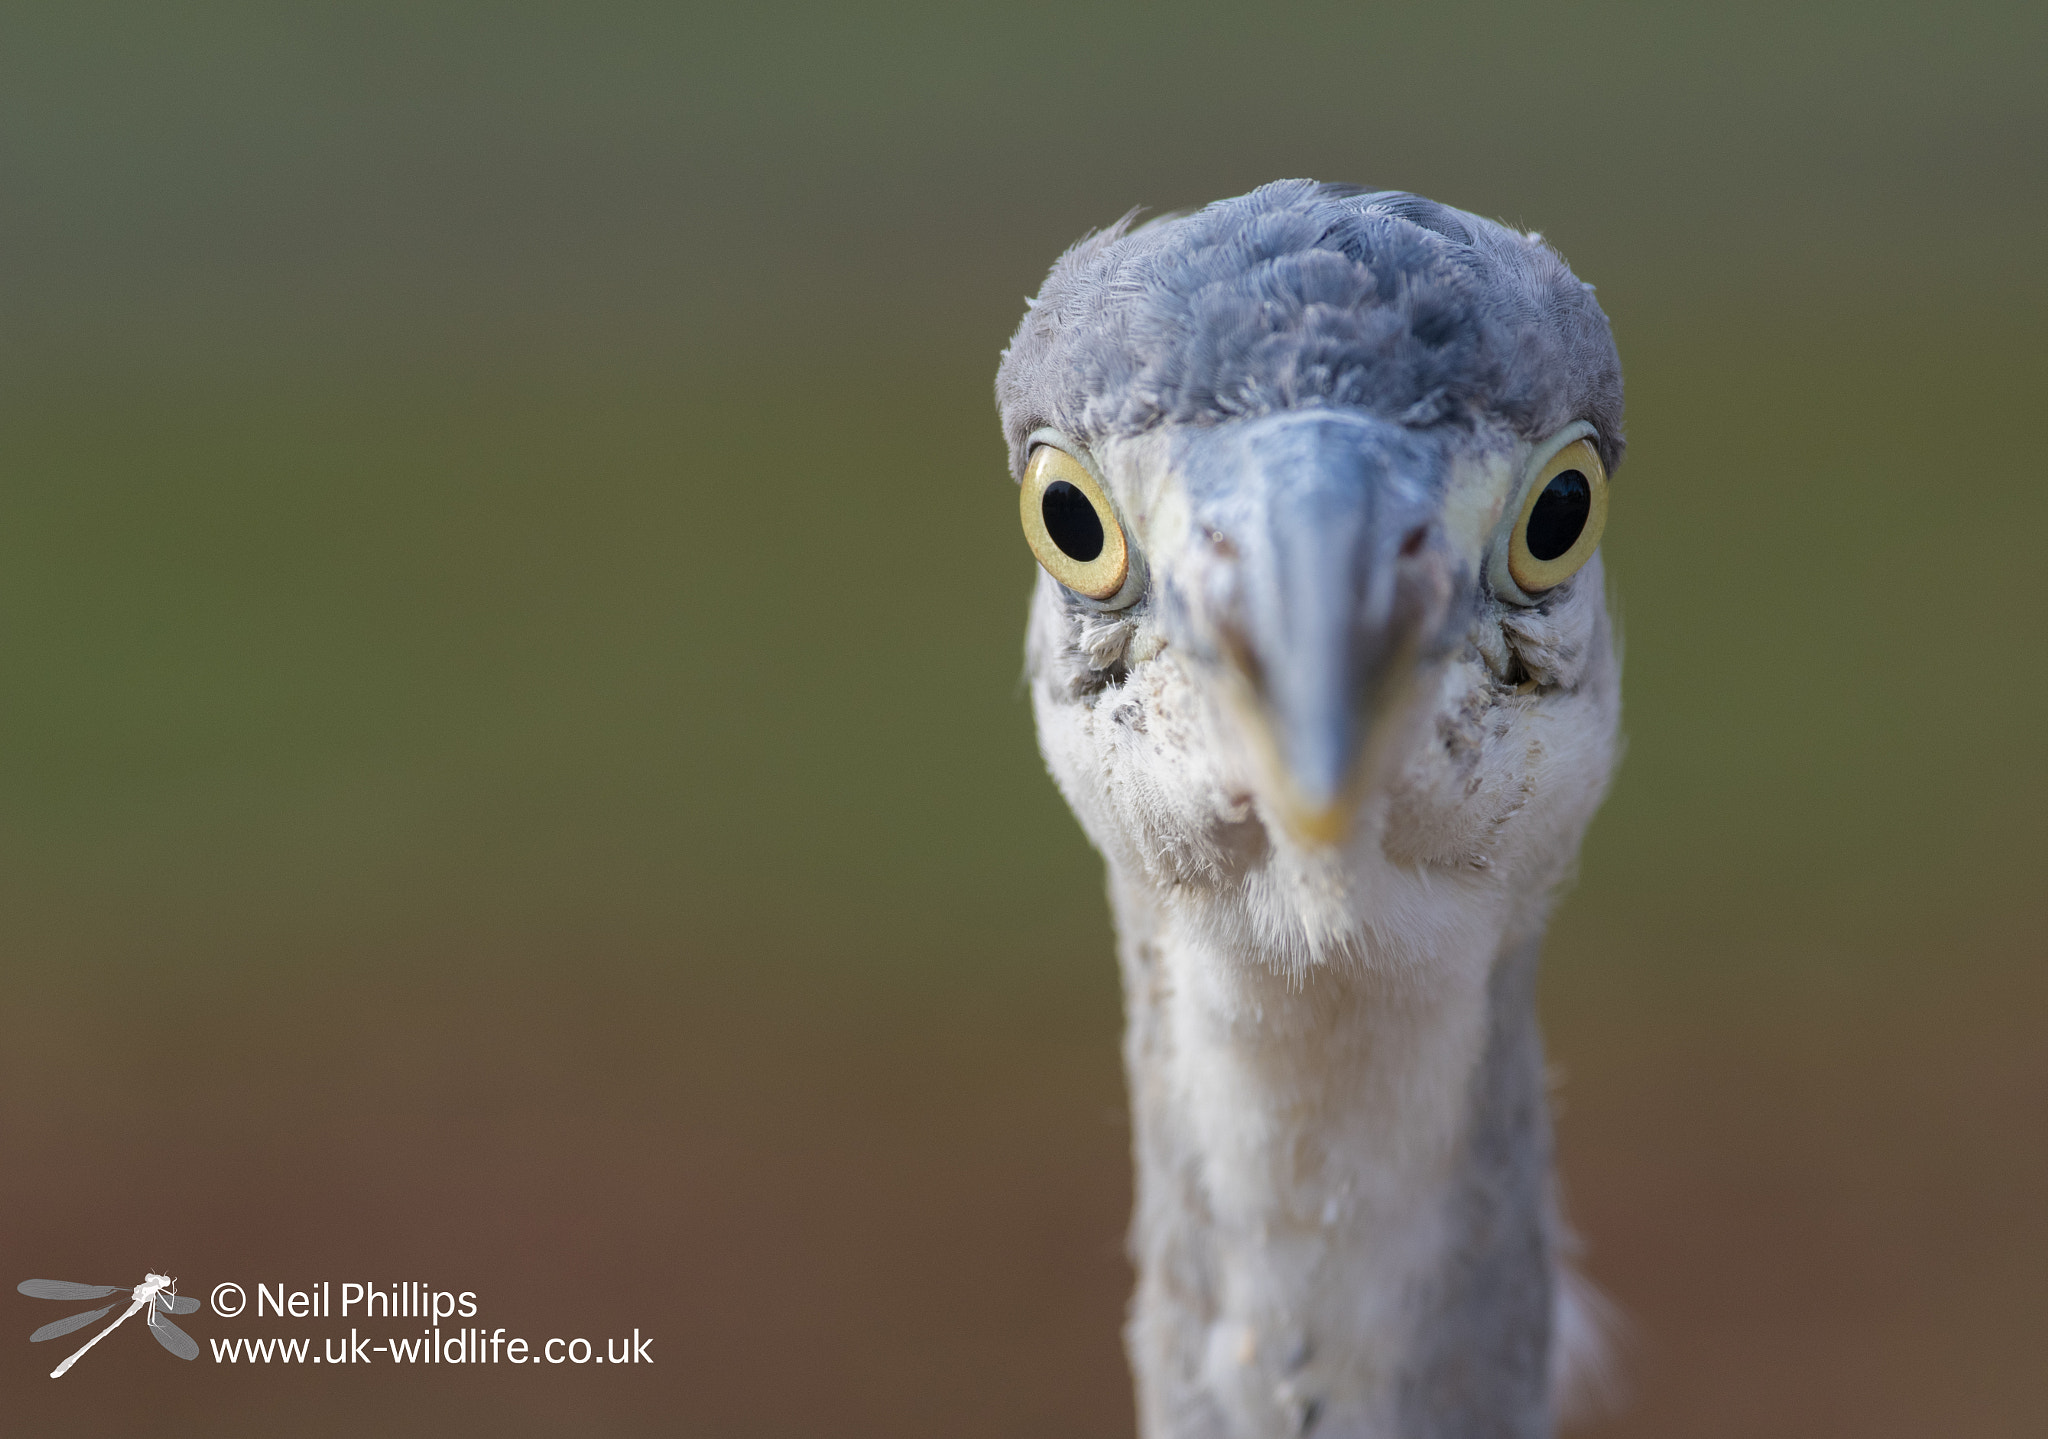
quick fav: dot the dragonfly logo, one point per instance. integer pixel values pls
(158, 1293)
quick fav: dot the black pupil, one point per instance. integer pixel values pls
(1071, 521)
(1560, 515)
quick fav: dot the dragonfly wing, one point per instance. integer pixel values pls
(173, 1338)
(64, 1289)
(65, 1326)
(183, 1304)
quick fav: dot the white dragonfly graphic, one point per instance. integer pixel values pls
(157, 1292)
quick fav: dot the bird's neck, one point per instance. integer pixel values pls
(1343, 1192)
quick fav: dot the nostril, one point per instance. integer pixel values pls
(1412, 543)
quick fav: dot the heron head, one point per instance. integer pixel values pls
(1316, 479)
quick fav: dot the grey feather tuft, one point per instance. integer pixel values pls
(1301, 294)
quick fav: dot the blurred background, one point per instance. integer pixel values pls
(513, 772)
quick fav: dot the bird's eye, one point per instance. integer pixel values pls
(1071, 527)
(1563, 512)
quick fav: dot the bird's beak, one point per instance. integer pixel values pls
(1320, 582)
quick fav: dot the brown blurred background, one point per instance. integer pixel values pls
(513, 774)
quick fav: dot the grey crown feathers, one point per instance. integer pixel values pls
(1304, 294)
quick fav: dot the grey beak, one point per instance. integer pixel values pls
(1327, 583)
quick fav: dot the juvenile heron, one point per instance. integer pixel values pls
(1321, 660)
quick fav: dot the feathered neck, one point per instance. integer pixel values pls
(1343, 1222)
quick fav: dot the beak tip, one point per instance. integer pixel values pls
(1320, 824)
(1315, 790)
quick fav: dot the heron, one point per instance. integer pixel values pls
(1320, 657)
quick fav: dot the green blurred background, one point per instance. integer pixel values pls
(512, 765)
